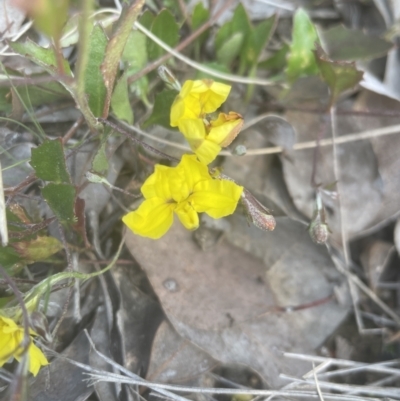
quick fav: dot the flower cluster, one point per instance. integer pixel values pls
(11, 339)
(189, 113)
(184, 190)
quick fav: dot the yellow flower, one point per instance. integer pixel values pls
(11, 337)
(206, 141)
(188, 113)
(186, 190)
(198, 98)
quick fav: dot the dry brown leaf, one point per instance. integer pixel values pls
(221, 300)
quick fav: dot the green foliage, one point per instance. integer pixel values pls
(26, 246)
(100, 160)
(339, 76)
(256, 40)
(200, 16)
(120, 101)
(10, 259)
(239, 25)
(48, 162)
(115, 48)
(61, 199)
(351, 44)
(230, 48)
(301, 60)
(162, 108)
(93, 79)
(239, 38)
(277, 62)
(39, 55)
(135, 58)
(165, 27)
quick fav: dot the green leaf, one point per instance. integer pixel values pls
(115, 48)
(100, 161)
(47, 92)
(351, 45)
(120, 101)
(238, 24)
(256, 41)
(200, 16)
(240, 20)
(339, 75)
(37, 249)
(230, 49)
(39, 55)
(301, 60)
(162, 109)
(93, 79)
(61, 200)
(146, 19)
(135, 52)
(10, 259)
(48, 161)
(276, 62)
(165, 27)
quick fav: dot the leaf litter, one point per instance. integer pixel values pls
(228, 306)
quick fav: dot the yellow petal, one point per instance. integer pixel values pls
(210, 93)
(187, 215)
(225, 128)
(157, 184)
(217, 198)
(192, 171)
(198, 98)
(36, 359)
(152, 219)
(185, 105)
(207, 151)
(193, 130)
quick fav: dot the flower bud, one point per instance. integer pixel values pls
(259, 215)
(318, 228)
(169, 78)
(319, 232)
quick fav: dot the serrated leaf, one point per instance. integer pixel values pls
(301, 60)
(120, 101)
(162, 109)
(61, 200)
(39, 55)
(351, 45)
(230, 49)
(339, 75)
(93, 79)
(115, 48)
(48, 161)
(165, 27)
